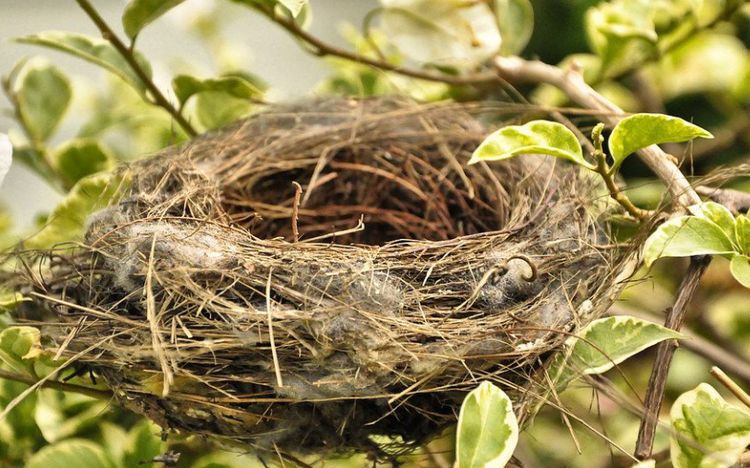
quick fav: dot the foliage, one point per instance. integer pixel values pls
(487, 430)
(687, 58)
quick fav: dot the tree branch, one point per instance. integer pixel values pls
(322, 48)
(664, 353)
(127, 54)
(515, 69)
(57, 385)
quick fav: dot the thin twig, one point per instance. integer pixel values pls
(269, 312)
(322, 48)
(731, 385)
(295, 210)
(664, 353)
(57, 385)
(127, 53)
(515, 69)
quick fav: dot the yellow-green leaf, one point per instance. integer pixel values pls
(515, 19)
(487, 431)
(686, 236)
(186, 86)
(67, 221)
(93, 50)
(707, 432)
(19, 346)
(80, 158)
(139, 13)
(604, 343)
(70, 452)
(535, 137)
(642, 130)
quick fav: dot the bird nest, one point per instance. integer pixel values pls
(218, 297)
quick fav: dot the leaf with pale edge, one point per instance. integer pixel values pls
(742, 233)
(70, 452)
(43, 94)
(67, 221)
(707, 432)
(19, 346)
(717, 214)
(93, 50)
(80, 158)
(515, 19)
(686, 236)
(139, 13)
(186, 86)
(604, 343)
(487, 431)
(740, 268)
(535, 137)
(642, 130)
(6, 156)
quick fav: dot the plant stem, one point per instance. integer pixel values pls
(603, 169)
(322, 48)
(664, 353)
(731, 385)
(515, 69)
(127, 53)
(57, 385)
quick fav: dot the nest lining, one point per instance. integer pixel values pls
(220, 324)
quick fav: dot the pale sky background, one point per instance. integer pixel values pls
(274, 56)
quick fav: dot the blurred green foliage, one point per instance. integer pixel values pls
(687, 58)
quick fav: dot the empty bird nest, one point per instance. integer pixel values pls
(323, 273)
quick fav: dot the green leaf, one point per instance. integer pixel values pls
(10, 299)
(515, 19)
(139, 13)
(93, 50)
(642, 130)
(717, 214)
(686, 236)
(707, 431)
(740, 268)
(19, 346)
(604, 343)
(216, 109)
(60, 415)
(80, 158)
(67, 221)
(43, 93)
(449, 33)
(742, 233)
(487, 431)
(535, 137)
(70, 452)
(186, 86)
(144, 443)
(622, 33)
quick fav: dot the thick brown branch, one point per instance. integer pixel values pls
(664, 353)
(127, 54)
(57, 385)
(514, 70)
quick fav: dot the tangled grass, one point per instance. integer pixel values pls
(221, 298)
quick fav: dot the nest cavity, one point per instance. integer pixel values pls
(406, 278)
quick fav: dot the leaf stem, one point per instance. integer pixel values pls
(57, 385)
(158, 99)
